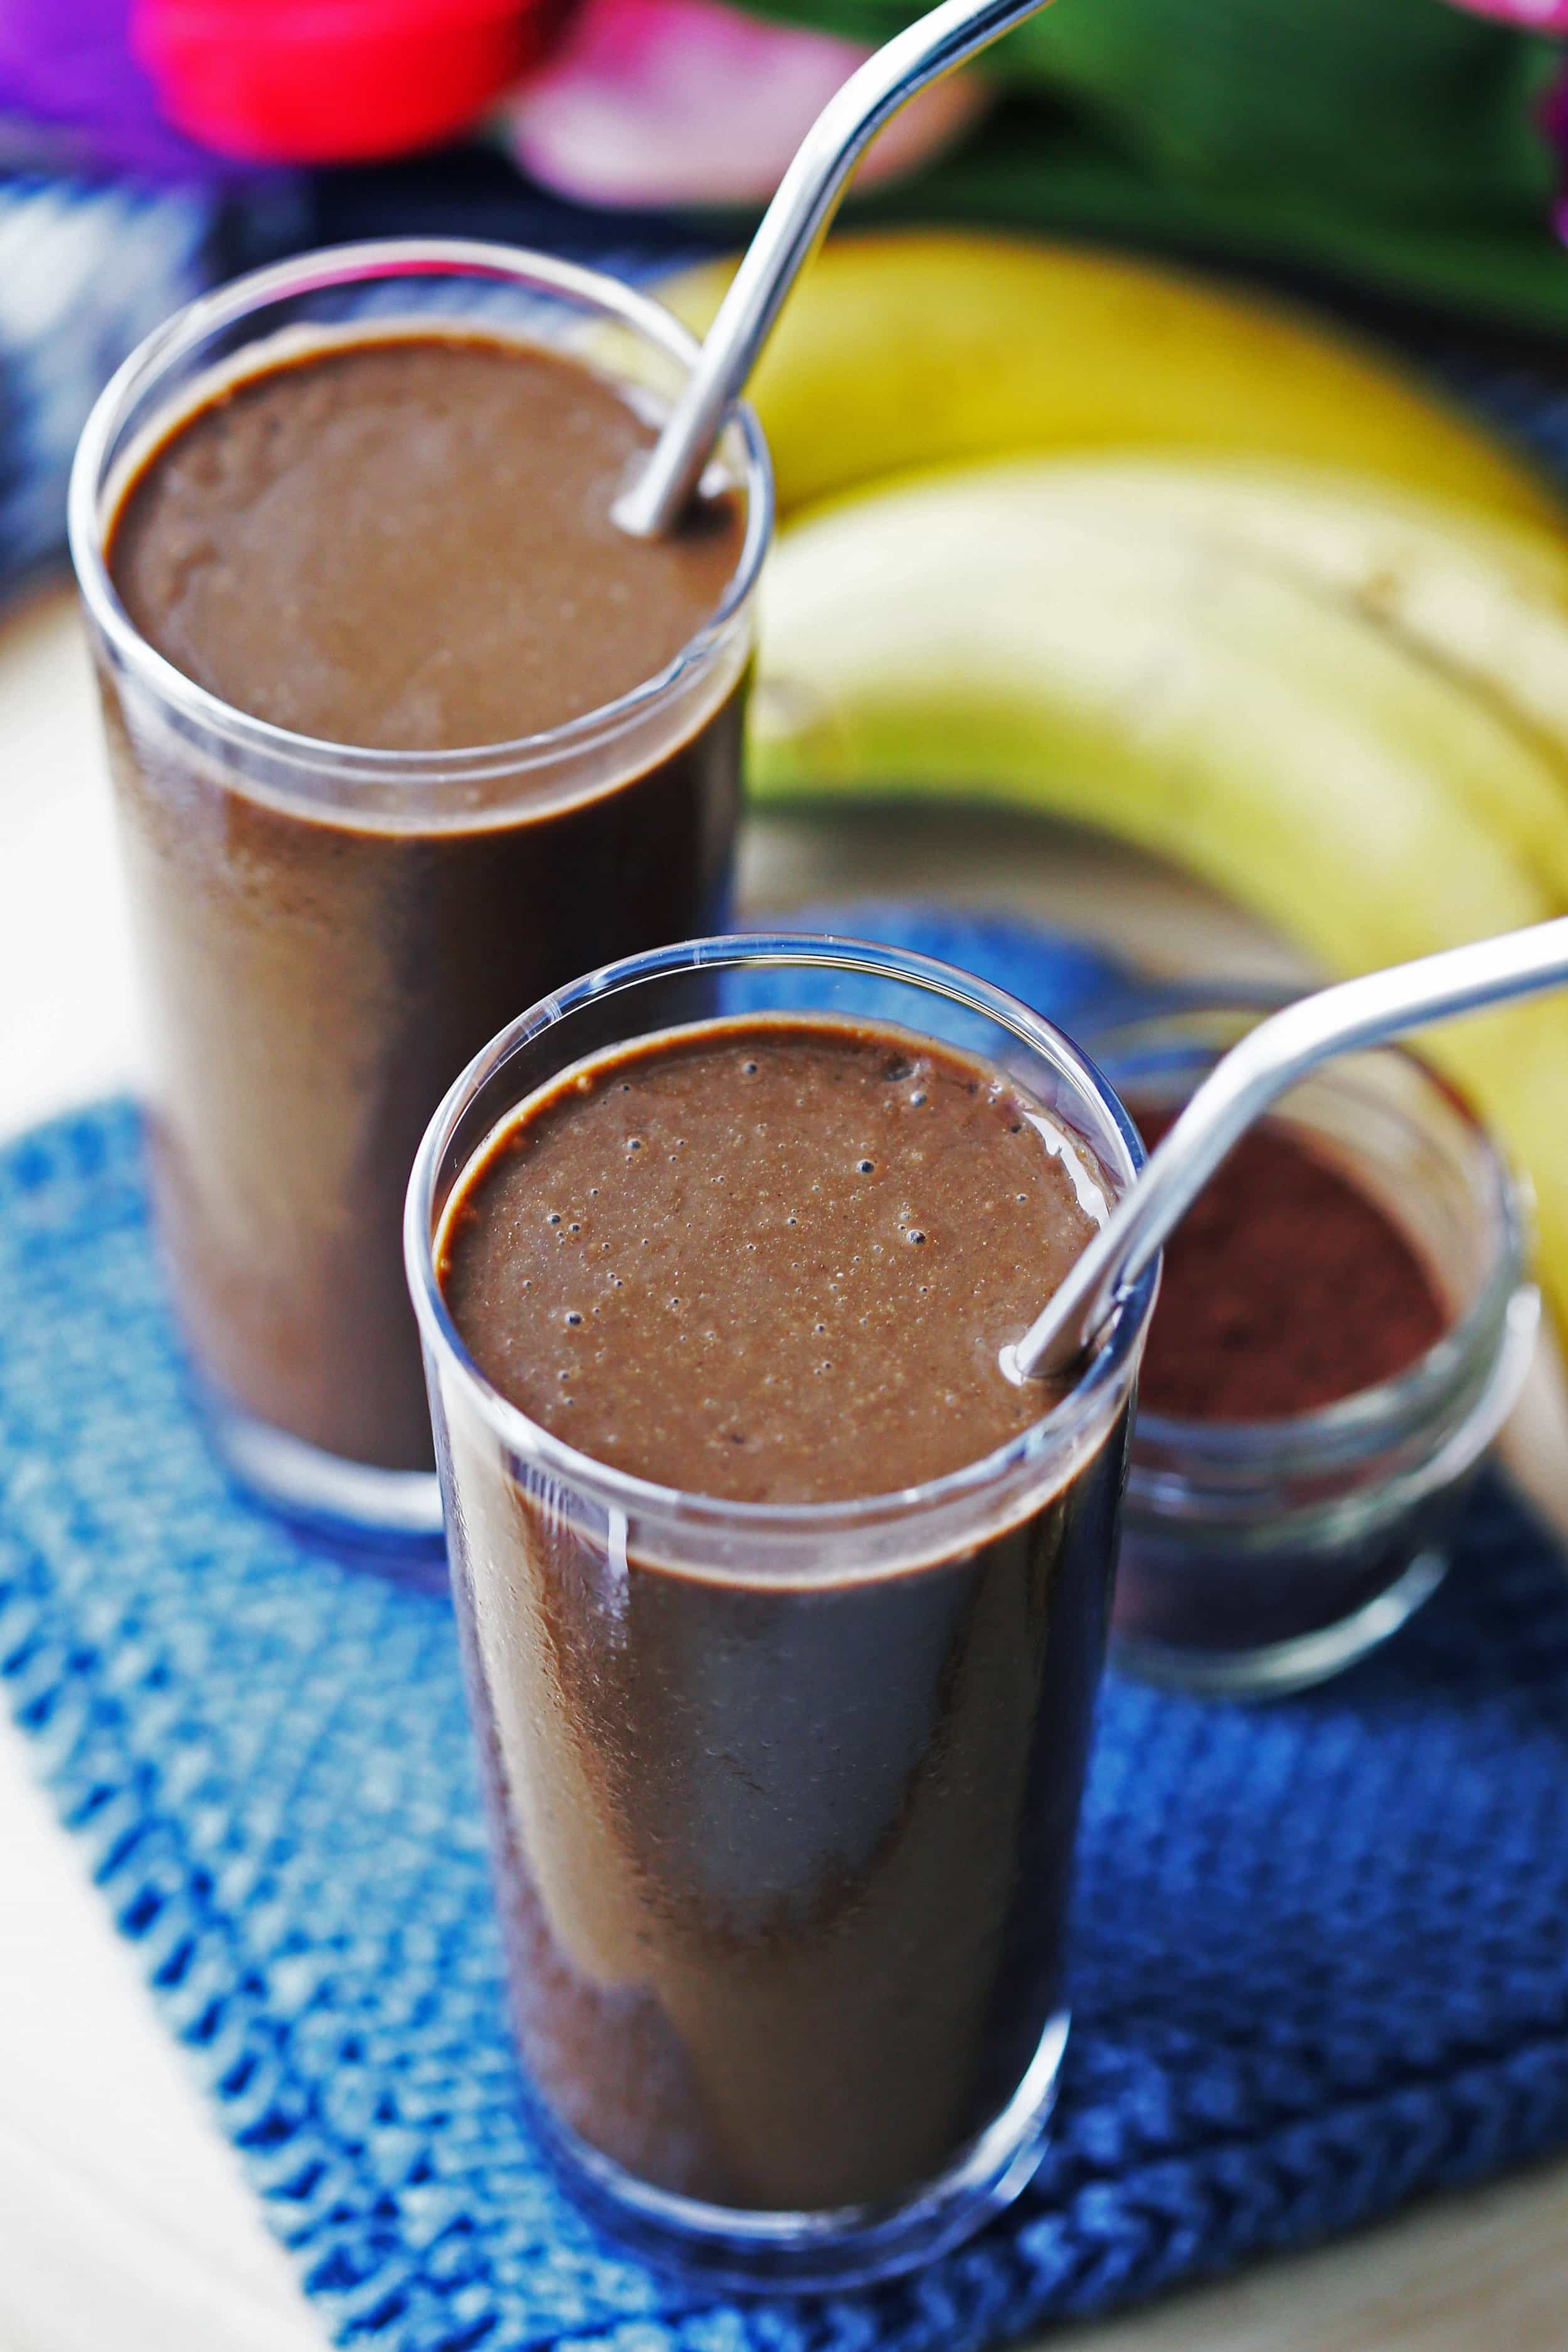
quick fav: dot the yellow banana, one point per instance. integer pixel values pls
(1483, 598)
(1458, 625)
(1148, 678)
(917, 348)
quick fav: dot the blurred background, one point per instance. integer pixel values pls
(1404, 155)
(1182, 395)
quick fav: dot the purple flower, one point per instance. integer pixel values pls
(73, 98)
(1554, 127)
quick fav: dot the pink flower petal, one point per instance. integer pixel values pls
(689, 102)
(1530, 15)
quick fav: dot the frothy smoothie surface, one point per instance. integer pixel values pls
(408, 545)
(769, 1259)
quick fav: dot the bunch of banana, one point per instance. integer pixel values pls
(914, 348)
(1346, 706)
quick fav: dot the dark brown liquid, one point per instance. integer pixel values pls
(784, 1867)
(399, 545)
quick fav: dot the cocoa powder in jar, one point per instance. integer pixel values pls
(1286, 1288)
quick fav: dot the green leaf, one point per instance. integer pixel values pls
(1395, 141)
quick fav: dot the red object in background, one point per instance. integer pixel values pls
(314, 81)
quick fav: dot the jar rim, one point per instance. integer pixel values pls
(182, 334)
(1091, 1399)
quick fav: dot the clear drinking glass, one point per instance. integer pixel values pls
(1261, 1556)
(328, 933)
(783, 1798)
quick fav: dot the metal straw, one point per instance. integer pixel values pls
(1271, 1058)
(806, 200)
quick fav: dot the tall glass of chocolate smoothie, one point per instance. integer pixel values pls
(405, 732)
(782, 1609)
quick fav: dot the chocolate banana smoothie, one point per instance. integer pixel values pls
(402, 544)
(784, 1860)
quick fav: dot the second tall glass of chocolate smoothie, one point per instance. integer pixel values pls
(782, 1609)
(405, 732)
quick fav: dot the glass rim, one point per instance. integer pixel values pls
(369, 260)
(1365, 1417)
(1055, 1430)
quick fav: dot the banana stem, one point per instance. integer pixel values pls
(806, 199)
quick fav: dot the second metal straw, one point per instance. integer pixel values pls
(806, 200)
(1272, 1058)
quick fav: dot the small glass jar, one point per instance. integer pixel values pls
(1260, 1557)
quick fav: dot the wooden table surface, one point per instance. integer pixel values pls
(125, 2223)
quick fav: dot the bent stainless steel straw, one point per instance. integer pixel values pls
(1254, 1074)
(806, 200)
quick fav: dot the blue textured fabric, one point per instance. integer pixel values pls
(1321, 1963)
(84, 274)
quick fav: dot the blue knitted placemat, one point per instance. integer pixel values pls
(1320, 1961)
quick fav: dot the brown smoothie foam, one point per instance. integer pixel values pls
(402, 544)
(783, 1865)
(408, 545)
(770, 1261)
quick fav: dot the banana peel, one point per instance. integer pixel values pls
(907, 349)
(1455, 633)
(1214, 706)
(1485, 599)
